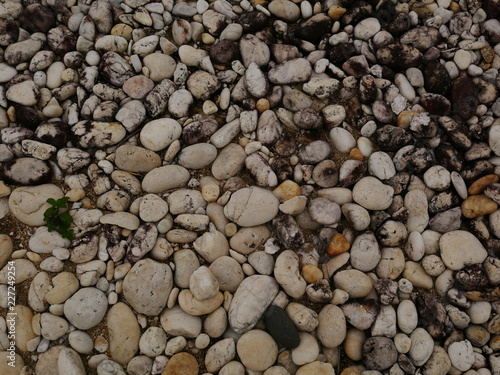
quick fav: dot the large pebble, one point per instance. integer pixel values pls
(332, 328)
(287, 274)
(251, 206)
(165, 178)
(422, 345)
(372, 194)
(251, 299)
(158, 134)
(257, 350)
(124, 333)
(86, 308)
(147, 285)
(460, 248)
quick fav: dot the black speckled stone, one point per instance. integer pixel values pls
(281, 328)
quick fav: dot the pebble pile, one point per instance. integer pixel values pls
(257, 187)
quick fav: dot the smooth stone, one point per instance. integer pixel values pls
(379, 353)
(70, 362)
(307, 351)
(316, 368)
(365, 252)
(253, 296)
(372, 194)
(257, 350)
(219, 354)
(86, 308)
(124, 333)
(26, 171)
(53, 327)
(152, 208)
(6, 249)
(285, 10)
(64, 285)
(181, 364)
(287, 274)
(122, 219)
(43, 241)
(461, 355)
(303, 317)
(251, 206)
(292, 71)
(7, 369)
(354, 282)
(407, 316)
(153, 342)
(203, 284)
(165, 178)
(28, 204)
(147, 285)
(281, 327)
(331, 330)
(195, 307)
(24, 93)
(176, 322)
(422, 346)
(228, 273)
(158, 134)
(460, 248)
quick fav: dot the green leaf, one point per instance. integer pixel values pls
(52, 201)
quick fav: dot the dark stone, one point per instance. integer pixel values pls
(478, 132)
(281, 327)
(61, 40)
(282, 168)
(27, 117)
(492, 246)
(447, 156)
(413, 159)
(199, 131)
(356, 66)
(314, 28)
(472, 277)
(406, 365)
(399, 182)
(155, 102)
(142, 242)
(464, 98)
(73, 59)
(9, 32)
(55, 133)
(253, 21)
(367, 89)
(383, 112)
(433, 316)
(288, 232)
(492, 8)
(351, 172)
(284, 52)
(391, 233)
(286, 145)
(379, 353)
(339, 53)
(387, 290)
(105, 111)
(443, 201)
(432, 54)
(458, 133)
(477, 227)
(37, 18)
(493, 191)
(474, 170)
(435, 104)
(399, 56)
(224, 52)
(460, 22)
(392, 138)
(399, 24)
(357, 11)
(26, 171)
(377, 218)
(326, 174)
(478, 150)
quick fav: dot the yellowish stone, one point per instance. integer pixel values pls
(75, 195)
(287, 190)
(336, 11)
(311, 273)
(356, 154)
(210, 192)
(262, 105)
(4, 190)
(338, 245)
(123, 30)
(404, 118)
(181, 364)
(65, 285)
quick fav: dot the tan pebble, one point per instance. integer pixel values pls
(101, 344)
(338, 245)
(69, 75)
(209, 107)
(454, 7)
(404, 118)
(243, 142)
(11, 112)
(258, 2)
(287, 190)
(353, 370)
(75, 195)
(336, 11)
(123, 30)
(206, 38)
(65, 284)
(126, 232)
(262, 105)
(87, 203)
(34, 257)
(210, 192)
(181, 364)
(311, 273)
(480, 184)
(4, 190)
(24, 331)
(230, 229)
(478, 205)
(110, 270)
(494, 343)
(356, 154)
(353, 344)
(35, 324)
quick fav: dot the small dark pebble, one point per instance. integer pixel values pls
(281, 327)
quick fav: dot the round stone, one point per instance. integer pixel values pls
(181, 364)
(257, 350)
(86, 308)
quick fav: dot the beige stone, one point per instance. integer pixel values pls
(65, 285)
(194, 307)
(124, 333)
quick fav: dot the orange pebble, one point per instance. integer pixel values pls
(356, 154)
(405, 117)
(311, 273)
(338, 245)
(287, 190)
(480, 184)
(262, 105)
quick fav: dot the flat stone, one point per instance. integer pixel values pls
(86, 308)
(124, 333)
(251, 206)
(165, 178)
(460, 248)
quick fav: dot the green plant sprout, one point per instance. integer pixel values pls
(59, 220)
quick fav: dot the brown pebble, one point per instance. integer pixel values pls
(478, 205)
(335, 12)
(356, 154)
(338, 245)
(405, 117)
(311, 273)
(480, 184)
(181, 364)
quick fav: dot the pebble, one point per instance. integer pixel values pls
(245, 203)
(257, 350)
(456, 260)
(372, 194)
(86, 308)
